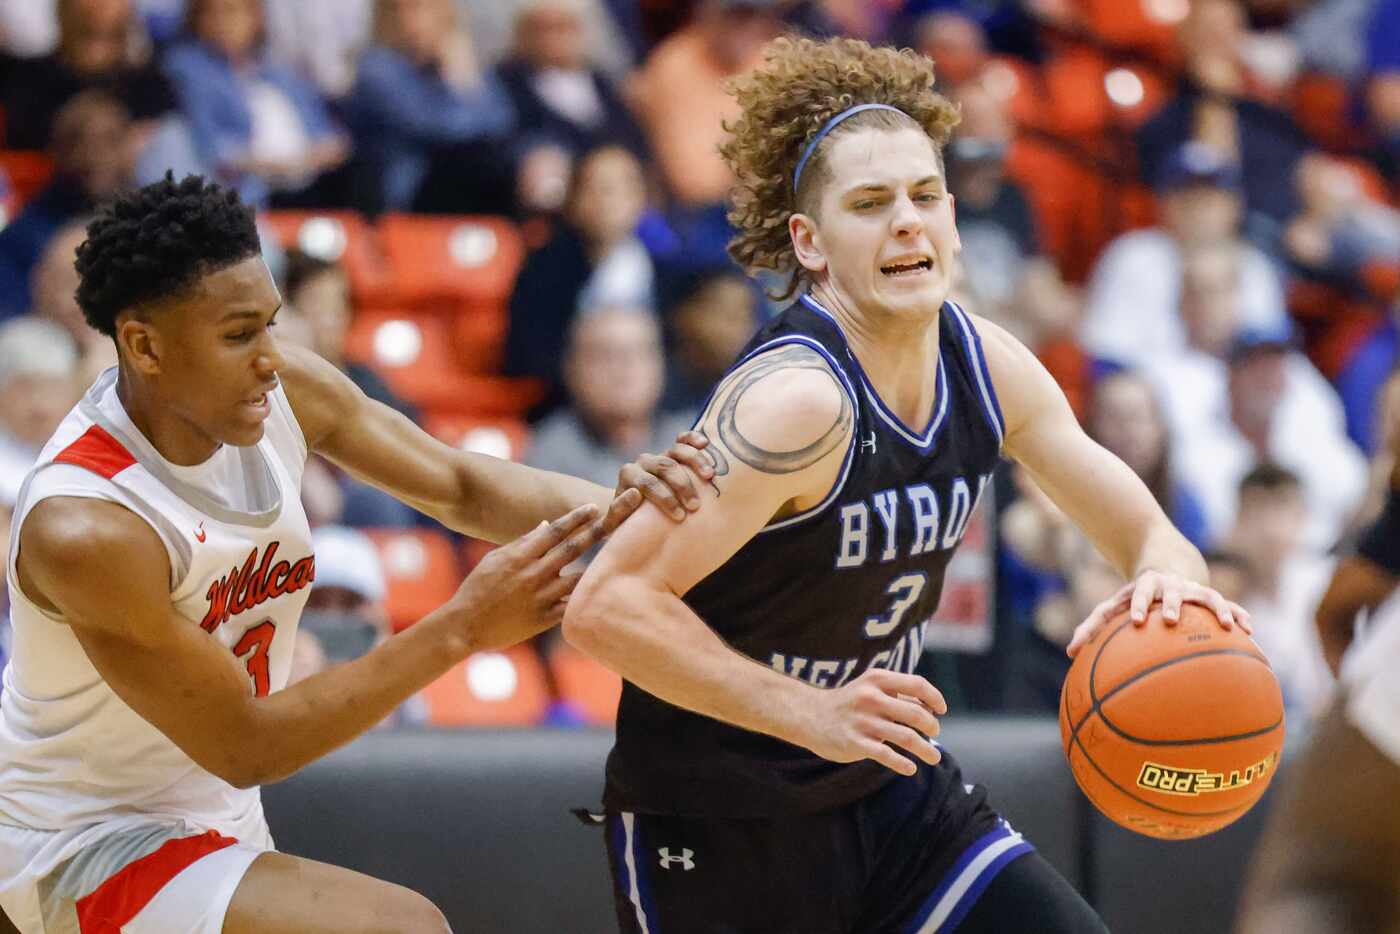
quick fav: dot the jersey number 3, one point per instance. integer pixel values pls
(259, 639)
(903, 592)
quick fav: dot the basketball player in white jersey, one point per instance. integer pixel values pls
(158, 565)
(1330, 860)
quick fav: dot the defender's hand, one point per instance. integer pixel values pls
(1173, 590)
(663, 480)
(519, 589)
(872, 715)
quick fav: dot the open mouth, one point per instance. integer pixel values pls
(912, 268)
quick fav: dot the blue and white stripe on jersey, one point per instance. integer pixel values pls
(964, 883)
(979, 366)
(923, 441)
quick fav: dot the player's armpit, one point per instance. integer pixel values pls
(106, 572)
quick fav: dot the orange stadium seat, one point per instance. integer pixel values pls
(479, 334)
(414, 353)
(28, 172)
(420, 572)
(446, 261)
(1321, 106)
(337, 235)
(506, 438)
(585, 684)
(1143, 26)
(490, 689)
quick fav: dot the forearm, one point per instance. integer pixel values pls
(501, 501)
(294, 727)
(652, 639)
(1356, 584)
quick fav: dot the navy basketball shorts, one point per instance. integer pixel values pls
(913, 858)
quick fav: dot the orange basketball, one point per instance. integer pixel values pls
(1173, 732)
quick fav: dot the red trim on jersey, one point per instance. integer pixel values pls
(97, 451)
(119, 899)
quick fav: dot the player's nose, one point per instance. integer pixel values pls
(905, 219)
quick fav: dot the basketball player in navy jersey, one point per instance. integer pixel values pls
(773, 769)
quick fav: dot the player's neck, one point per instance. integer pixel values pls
(174, 438)
(899, 355)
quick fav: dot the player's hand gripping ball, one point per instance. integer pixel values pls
(1172, 731)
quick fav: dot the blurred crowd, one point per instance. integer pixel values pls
(505, 219)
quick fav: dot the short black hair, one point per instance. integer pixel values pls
(302, 267)
(154, 242)
(1270, 478)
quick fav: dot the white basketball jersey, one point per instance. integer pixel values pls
(73, 756)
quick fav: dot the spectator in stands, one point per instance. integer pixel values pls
(320, 290)
(55, 286)
(345, 616)
(1383, 84)
(1341, 227)
(1210, 107)
(1262, 429)
(317, 314)
(712, 315)
(100, 47)
(1287, 581)
(261, 127)
(559, 95)
(593, 260)
(994, 218)
(38, 385)
(1133, 301)
(1126, 417)
(431, 125)
(957, 44)
(93, 158)
(1194, 384)
(1073, 578)
(614, 371)
(320, 39)
(1229, 574)
(680, 99)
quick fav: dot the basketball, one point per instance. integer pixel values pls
(1173, 732)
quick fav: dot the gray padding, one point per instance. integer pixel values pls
(479, 822)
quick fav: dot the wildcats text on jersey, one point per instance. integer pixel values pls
(243, 588)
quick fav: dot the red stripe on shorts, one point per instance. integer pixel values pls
(97, 451)
(115, 902)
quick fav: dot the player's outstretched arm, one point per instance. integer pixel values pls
(1357, 583)
(106, 572)
(1329, 861)
(779, 429)
(476, 494)
(1098, 492)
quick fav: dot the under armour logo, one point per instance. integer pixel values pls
(685, 859)
(868, 444)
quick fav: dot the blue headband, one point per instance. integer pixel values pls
(832, 124)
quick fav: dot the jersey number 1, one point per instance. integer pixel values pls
(259, 639)
(903, 593)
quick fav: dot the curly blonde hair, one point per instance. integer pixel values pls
(801, 85)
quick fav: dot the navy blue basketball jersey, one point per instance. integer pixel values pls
(826, 594)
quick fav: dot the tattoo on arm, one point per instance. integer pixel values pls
(726, 429)
(718, 462)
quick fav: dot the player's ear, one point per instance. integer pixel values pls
(807, 242)
(139, 343)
